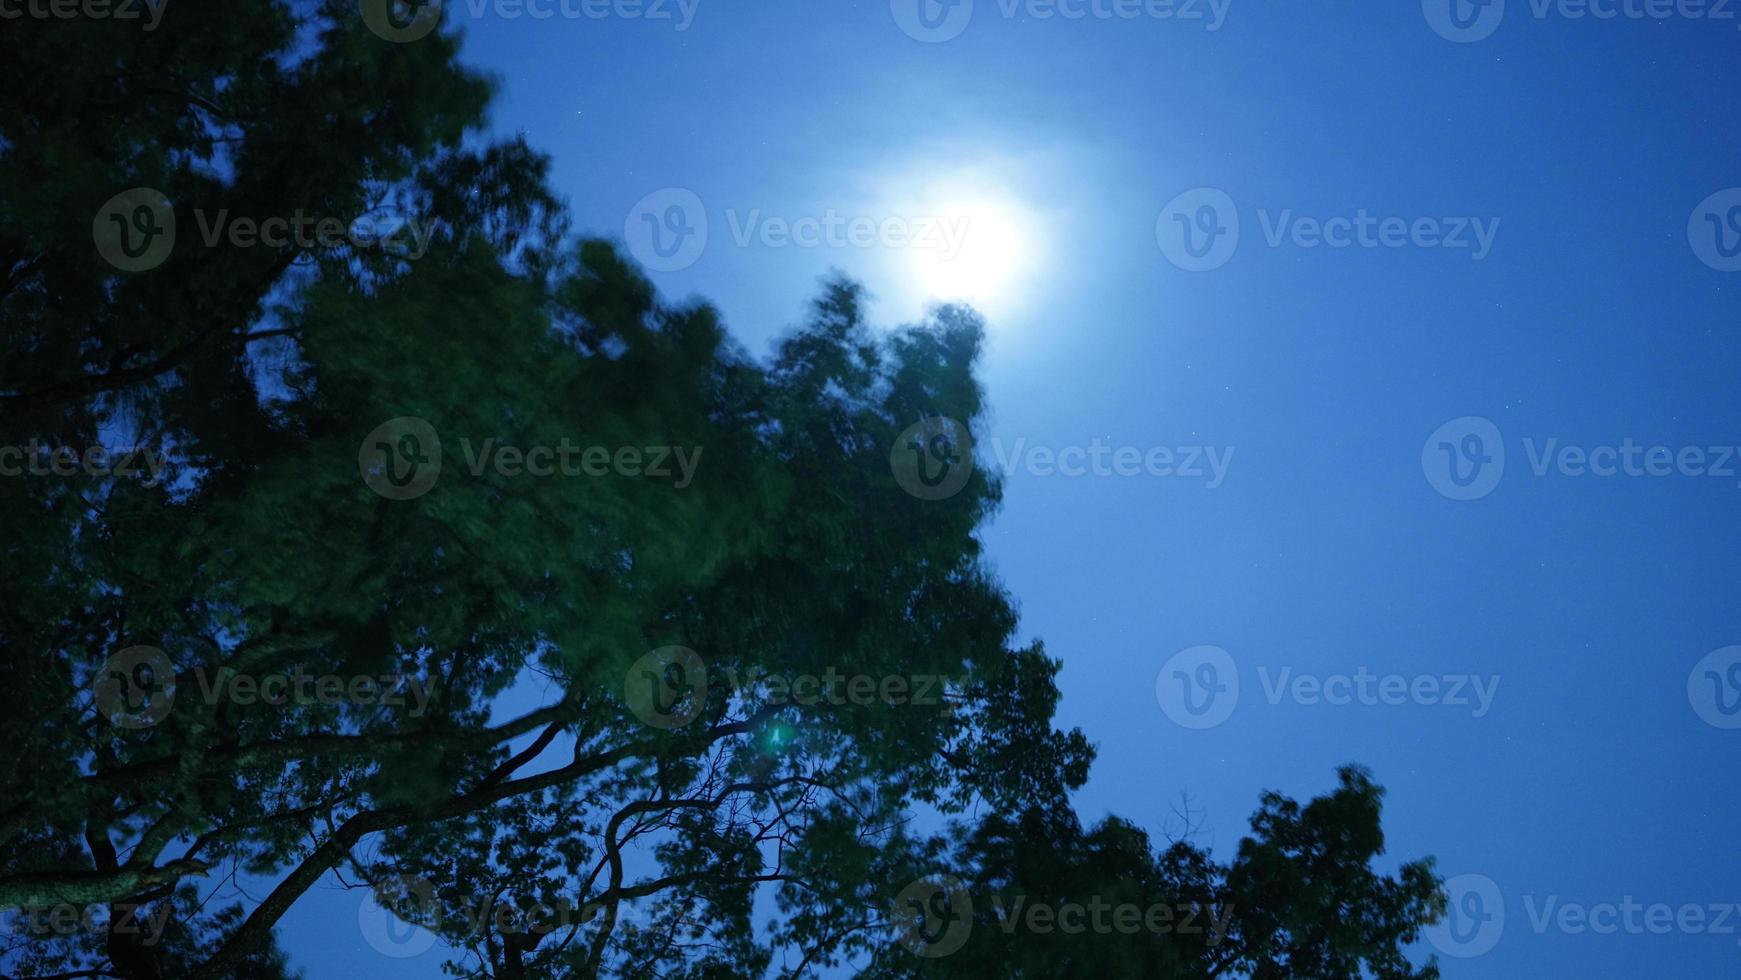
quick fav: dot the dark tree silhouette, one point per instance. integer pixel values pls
(261, 377)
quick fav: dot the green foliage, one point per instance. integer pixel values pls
(262, 373)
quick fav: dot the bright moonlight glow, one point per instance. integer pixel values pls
(973, 232)
(979, 252)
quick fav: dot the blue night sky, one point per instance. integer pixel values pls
(1333, 545)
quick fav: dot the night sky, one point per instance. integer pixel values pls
(1348, 368)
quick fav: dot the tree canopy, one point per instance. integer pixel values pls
(368, 514)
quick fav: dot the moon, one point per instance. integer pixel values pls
(978, 253)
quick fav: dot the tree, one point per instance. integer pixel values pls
(373, 504)
(1034, 895)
